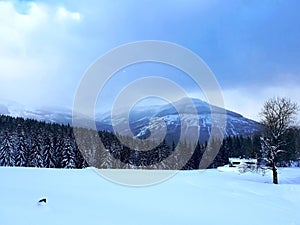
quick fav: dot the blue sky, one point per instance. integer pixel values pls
(251, 46)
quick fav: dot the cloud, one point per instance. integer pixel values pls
(46, 47)
(63, 14)
(15, 38)
(33, 47)
(20, 34)
(249, 101)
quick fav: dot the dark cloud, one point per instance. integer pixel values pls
(253, 44)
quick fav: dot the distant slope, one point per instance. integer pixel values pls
(140, 117)
(139, 120)
(48, 114)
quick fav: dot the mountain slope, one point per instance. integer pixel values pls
(48, 114)
(146, 120)
(142, 126)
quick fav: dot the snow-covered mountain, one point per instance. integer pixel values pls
(60, 115)
(140, 120)
(48, 114)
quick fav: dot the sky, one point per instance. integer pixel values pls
(252, 47)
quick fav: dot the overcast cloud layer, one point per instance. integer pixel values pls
(251, 46)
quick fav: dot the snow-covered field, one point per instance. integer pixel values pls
(190, 197)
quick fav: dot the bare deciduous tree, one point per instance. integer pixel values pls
(278, 115)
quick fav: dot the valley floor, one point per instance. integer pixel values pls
(190, 197)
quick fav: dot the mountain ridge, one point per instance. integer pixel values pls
(142, 125)
(140, 118)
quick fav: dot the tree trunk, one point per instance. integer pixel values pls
(275, 174)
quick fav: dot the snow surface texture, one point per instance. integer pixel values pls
(190, 197)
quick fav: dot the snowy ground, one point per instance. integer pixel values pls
(190, 197)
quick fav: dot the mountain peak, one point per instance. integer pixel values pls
(181, 112)
(140, 117)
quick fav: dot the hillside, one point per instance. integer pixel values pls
(140, 117)
(174, 122)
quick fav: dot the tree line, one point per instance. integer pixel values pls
(30, 143)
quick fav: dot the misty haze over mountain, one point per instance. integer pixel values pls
(140, 118)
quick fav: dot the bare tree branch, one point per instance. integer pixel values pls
(278, 115)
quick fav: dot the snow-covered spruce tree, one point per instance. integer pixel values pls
(68, 155)
(35, 156)
(80, 160)
(278, 115)
(7, 157)
(49, 156)
(21, 151)
(58, 146)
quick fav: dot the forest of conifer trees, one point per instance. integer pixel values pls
(30, 143)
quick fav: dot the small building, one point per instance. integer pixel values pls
(236, 162)
(239, 165)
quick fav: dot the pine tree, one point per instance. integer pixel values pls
(80, 160)
(49, 156)
(58, 147)
(68, 155)
(7, 152)
(35, 157)
(256, 146)
(22, 151)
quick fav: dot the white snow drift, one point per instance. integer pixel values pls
(190, 197)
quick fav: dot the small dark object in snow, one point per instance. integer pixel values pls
(43, 200)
